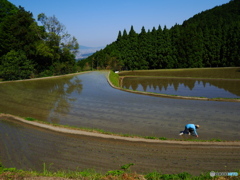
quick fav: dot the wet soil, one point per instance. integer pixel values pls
(27, 147)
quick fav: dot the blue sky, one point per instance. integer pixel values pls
(97, 22)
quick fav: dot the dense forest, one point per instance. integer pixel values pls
(208, 39)
(28, 50)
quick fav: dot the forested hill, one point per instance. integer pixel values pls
(28, 50)
(208, 39)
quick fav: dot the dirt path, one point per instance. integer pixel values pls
(33, 144)
(108, 136)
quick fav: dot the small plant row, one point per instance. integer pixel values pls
(123, 174)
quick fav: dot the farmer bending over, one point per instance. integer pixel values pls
(190, 129)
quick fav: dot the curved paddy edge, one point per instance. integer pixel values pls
(171, 96)
(74, 131)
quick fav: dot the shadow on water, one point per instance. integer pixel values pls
(185, 87)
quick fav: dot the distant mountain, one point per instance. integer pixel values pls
(87, 51)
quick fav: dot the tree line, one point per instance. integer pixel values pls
(208, 39)
(28, 50)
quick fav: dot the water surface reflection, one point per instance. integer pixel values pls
(40, 98)
(185, 87)
(87, 100)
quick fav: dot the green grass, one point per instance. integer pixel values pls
(215, 73)
(124, 174)
(30, 119)
(201, 140)
(114, 78)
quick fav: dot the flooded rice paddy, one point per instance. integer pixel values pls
(209, 88)
(87, 100)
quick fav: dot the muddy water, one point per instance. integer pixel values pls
(87, 100)
(185, 87)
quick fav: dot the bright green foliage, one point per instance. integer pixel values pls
(58, 46)
(126, 167)
(115, 173)
(208, 39)
(30, 119)
(114, 78)
(153, 176)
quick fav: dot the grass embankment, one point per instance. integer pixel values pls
(123, 174)
(214, 73)
(114, 78)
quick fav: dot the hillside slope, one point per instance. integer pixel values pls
(208, 39)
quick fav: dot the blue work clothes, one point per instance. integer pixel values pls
(191, 128)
